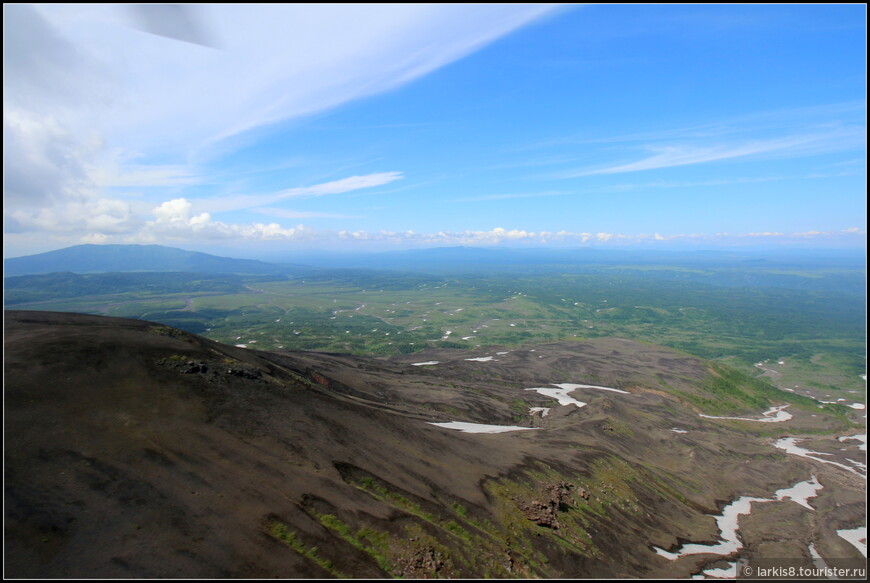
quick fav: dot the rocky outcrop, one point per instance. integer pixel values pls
(211, 370)
(554, 498)
(422, 564)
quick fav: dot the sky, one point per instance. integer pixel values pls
(258, 129)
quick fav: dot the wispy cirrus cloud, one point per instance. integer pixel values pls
(276, 62)
(113, 175)
(291, 214)
(668, 184)
(796, 119)
(351, 183)
(87, 217)
(83, 92)
(514, 195)
(787, 133)
(670, 155)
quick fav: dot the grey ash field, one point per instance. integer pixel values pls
(134, 449)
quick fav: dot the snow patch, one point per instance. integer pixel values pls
(561, 395)
(778, 416)
(728, 520)
(480, 427)
(860, 438)
(572, 386)
(729, 572)
(801, 492)
(789, 444)
(818, 561)
(855, 536)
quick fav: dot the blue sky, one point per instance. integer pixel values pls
(387, 127)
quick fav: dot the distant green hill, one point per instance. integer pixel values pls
(127, 258)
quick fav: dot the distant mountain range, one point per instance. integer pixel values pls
(499, 259)
(129, 258)
(841, 270)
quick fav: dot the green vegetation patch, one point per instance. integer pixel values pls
(820, 330)
(734, 392)
(372, 542)
(384, 494)
(283, 533)
(465, 545)
(518, 505)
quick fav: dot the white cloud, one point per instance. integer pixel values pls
(175, 220)
(85, 216)
(44, 71)
(91, 103)
(277, 62)
(500, 236)
(94, 239)
(43, 160)
(178, 211)
(175, 223)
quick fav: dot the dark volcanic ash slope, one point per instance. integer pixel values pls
(137, 450)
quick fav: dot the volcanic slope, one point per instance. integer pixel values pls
(138, 450)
